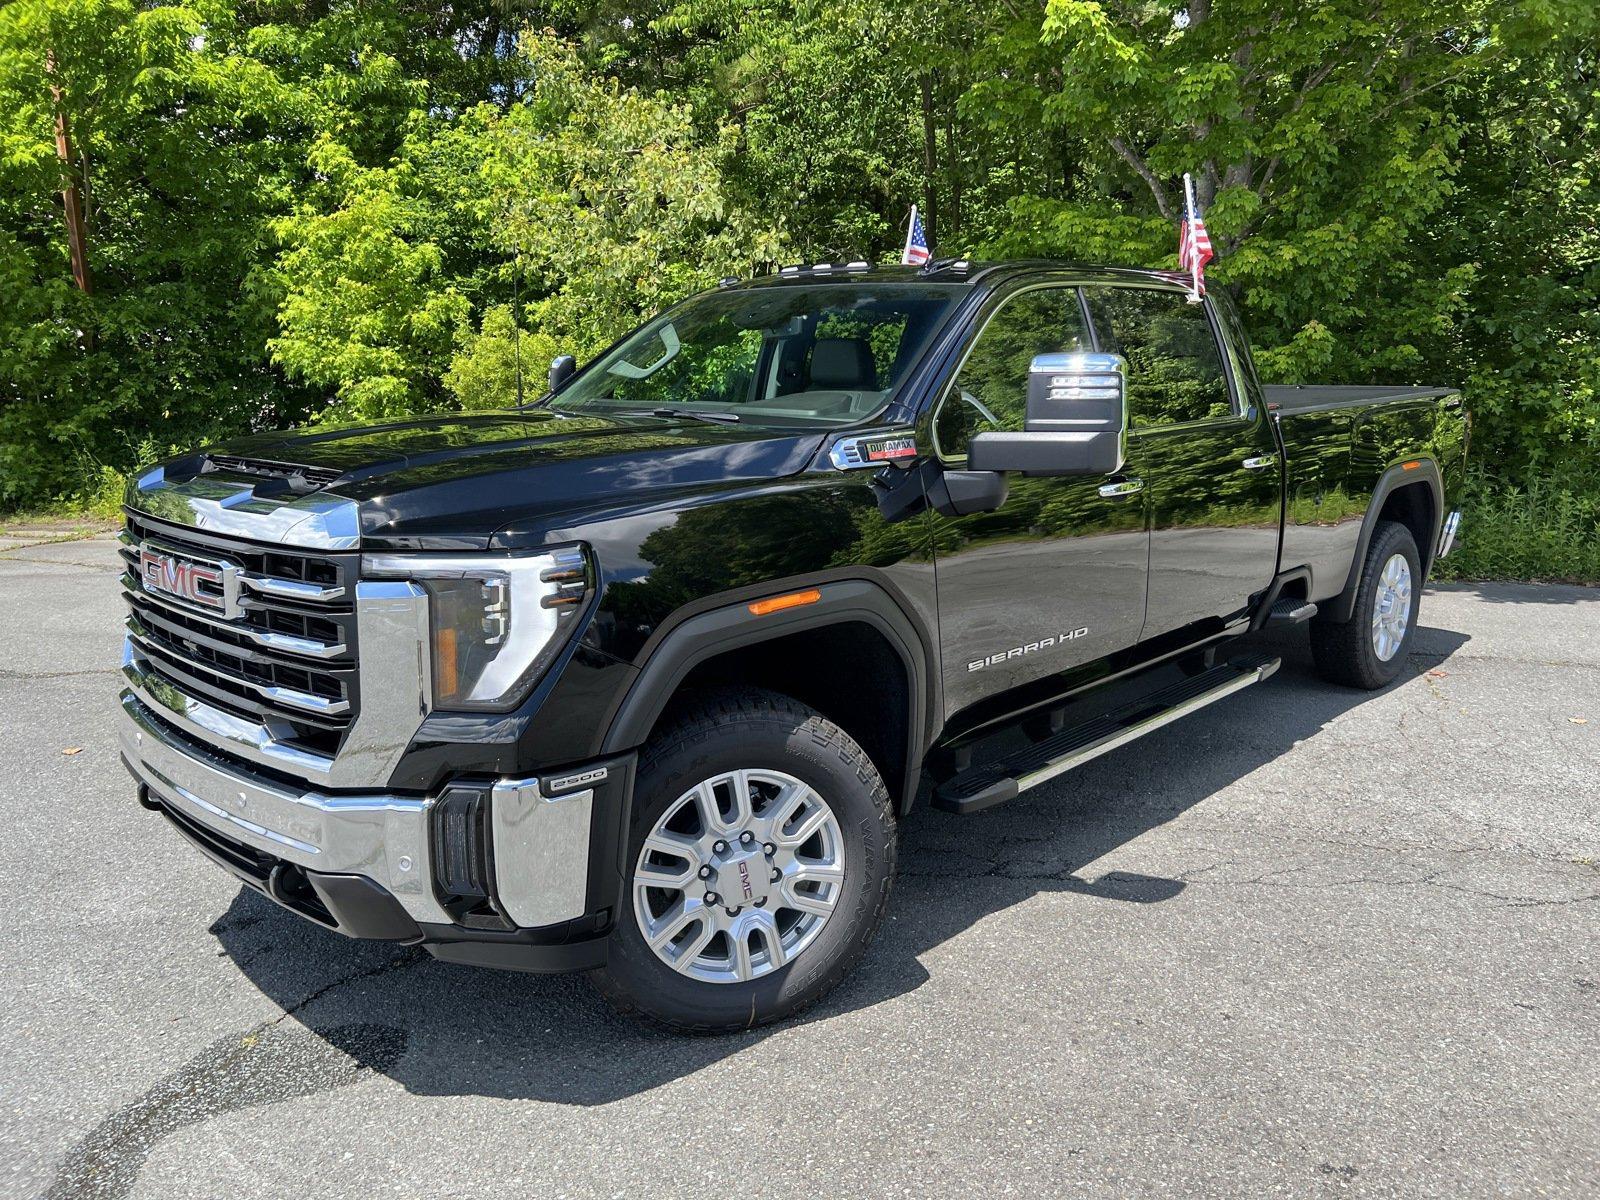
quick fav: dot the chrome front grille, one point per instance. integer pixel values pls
(286, 658)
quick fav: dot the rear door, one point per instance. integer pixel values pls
(1207, 455)
(1055, 577)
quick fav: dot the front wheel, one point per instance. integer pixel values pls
(1368, 650)
(761, 855)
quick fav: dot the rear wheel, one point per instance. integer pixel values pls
(760, 855)
(1369, 649)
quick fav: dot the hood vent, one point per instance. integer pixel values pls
(290, 478)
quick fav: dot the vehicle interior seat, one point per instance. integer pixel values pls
(843, 365)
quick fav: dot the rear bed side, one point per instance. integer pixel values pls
(1357, 456)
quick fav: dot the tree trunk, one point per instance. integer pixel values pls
(930, 165)
(952, 159)
(71, 193)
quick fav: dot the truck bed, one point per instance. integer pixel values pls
(1305, 397)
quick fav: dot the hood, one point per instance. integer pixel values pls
(455, 481)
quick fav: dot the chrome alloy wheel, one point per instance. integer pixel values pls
(1391, 608)
(739, 876)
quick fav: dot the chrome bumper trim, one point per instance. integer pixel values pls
(239, 736)
(1447, 536)
(546, 840)
(380, 836)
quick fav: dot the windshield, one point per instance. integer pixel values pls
(827, 354)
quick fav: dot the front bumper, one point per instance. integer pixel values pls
(363, 864)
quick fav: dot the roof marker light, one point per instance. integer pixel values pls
(790, 600)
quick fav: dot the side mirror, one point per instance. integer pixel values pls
(1077, 421)
(562, 368)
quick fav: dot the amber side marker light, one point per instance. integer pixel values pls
(444, 660)
(1412, 465)
(778, 603)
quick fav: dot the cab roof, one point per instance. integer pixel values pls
(949, 270)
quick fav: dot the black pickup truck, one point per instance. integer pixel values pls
(642, 677)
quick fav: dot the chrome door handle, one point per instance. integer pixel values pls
(1259, 461)
(1123, 487)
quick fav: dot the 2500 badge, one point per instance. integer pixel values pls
(1030, 648)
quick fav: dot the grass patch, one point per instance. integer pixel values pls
(1543, 533)
(95, 509)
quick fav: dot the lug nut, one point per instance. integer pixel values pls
(721, 847)
(769, 849)
(733, 912)
(705, 872)
(746, 837)
(711, 899)
(761, 903)
(776, 874)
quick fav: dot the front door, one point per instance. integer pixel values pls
(1207, 455)
(1055, 577)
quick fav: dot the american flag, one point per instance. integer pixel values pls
(916, 252)
(1194, 243)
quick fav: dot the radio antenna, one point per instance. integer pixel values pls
(516, 317)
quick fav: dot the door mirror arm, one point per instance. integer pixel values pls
(962, 493)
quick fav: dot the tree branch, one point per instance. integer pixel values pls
(1163, 205)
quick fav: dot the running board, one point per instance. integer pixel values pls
(984, 786)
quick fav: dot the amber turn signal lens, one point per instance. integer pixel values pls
(1412, 465)
(792, 600)
(444, 662)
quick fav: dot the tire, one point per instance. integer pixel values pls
(770, 738)
(1349, 652)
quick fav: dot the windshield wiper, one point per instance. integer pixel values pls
(715, 418)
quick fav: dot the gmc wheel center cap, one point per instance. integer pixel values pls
(743, 878)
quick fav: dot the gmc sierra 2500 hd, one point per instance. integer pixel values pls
(640, 678)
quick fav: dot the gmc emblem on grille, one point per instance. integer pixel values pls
(207, 584)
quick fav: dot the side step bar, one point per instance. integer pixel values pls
(984, 786)
(1292, 611)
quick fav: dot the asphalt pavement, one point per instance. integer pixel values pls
(1308, 942)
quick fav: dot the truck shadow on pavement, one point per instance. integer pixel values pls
(445, 1029)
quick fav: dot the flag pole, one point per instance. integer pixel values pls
(910, 226)
(1194, 257)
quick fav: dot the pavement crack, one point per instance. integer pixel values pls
(266, 1065)
(408, 958)
(1273, 879)
(57, 562)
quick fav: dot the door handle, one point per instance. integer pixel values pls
(1259, 462)
(1123, 487)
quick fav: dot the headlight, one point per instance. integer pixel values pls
(495, 622)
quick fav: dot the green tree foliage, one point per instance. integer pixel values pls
(365, 208)
(178, 158)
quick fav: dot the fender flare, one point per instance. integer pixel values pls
(1397, 476)
(705, 635)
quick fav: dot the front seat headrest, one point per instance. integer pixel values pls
(843, 364)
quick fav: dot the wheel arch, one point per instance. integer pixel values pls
(869, 650)
(1412, 493)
